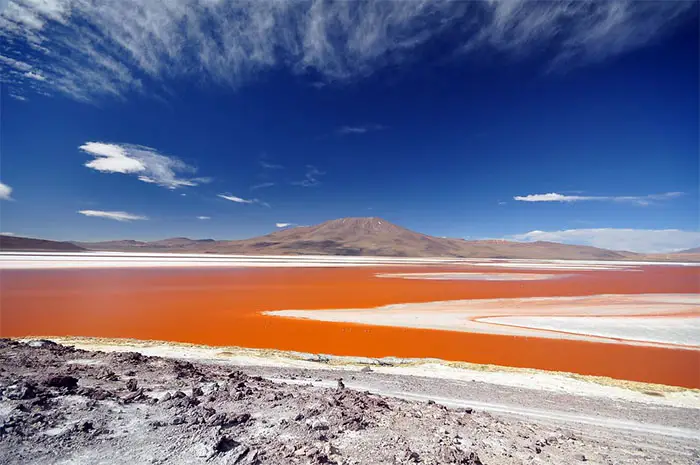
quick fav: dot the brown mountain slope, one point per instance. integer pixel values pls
(345, 236)
(378, 237)
(18, 243)
(126, 244)
(373, 237)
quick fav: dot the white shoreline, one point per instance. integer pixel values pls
(60, 260)
(524, 378)
(485, 316)
(473, 276)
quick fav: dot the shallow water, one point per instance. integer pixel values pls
(222, 307)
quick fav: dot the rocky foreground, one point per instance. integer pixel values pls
(59, 404)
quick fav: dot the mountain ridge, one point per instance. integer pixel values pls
(370, 236)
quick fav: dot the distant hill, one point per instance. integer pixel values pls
(693, 250)
(354, 236)
(28, 244)
(367, 236)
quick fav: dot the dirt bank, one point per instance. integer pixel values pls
(64, 405)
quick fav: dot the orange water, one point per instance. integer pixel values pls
(222, 307)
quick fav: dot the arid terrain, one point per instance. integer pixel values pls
(61, 405)
(353, 237)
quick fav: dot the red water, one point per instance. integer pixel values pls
(222, 307)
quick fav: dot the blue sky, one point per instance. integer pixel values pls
(567, 121)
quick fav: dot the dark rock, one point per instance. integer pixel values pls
(132, 384)
(87, 426)
(458, 456)
(129, 357)
(95, 393)
(20, 391)
(341, 384)
(107, 374)
(225, 444)
(62, 381)
(134, 396)
(580, 457)
(239, 453)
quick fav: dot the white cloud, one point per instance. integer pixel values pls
(310, 178)
(149, 165)
(113, 47)
(634, 240)
(204, 217)
(7, 234)
(262, 185)
(5, 192)
(233, 198)
(642, 200)
(34, 75)
(118, 216)
(21, 98)
(345, 130)
(284, 225)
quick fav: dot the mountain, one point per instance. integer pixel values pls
(693, 250)
(362, 236)
(367, 236)
(27, 243)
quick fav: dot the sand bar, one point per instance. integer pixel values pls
(590, 318)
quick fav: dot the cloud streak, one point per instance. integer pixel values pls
(634, 240)
(111, 215)
(346, 130)
(311, 178)
(262, 185)
(89, 49)
(146, 163)
(642, 200)
(204, 217)
(5, 192)
(284, 225)
(236, 199)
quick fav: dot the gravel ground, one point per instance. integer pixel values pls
(61, 405)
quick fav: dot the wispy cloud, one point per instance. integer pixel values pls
(284, 225)
(146, 163)
(114, 47)
(345, 130)
(117, 216)
(5, 192)
(7, 234)
(235, 199)
(634, 240)
(270, 166)
(642, 200)
(204, 217)
(262, 185)
(21, 98)
(34, 75)
(311, 178)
